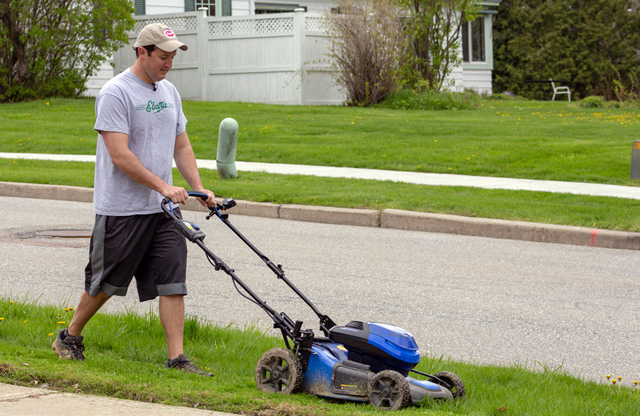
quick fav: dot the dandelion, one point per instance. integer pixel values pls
(608, 376)
(1, 319)
(61, 322)
(50, 334)
(614, 381)
(11, 302)
(68, 309)
(47, 102)
(25, 321)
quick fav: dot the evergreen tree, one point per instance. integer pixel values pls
(591, 43)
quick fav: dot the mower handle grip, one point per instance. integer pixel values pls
(225, 205)
(197, 194)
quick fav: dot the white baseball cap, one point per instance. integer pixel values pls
(159, 35)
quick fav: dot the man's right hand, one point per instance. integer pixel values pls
(175, 193)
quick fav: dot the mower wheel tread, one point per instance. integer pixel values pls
(389, 390)
(278, 371)
(456, 386)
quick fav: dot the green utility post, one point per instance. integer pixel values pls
(635, 160)
(227, 143)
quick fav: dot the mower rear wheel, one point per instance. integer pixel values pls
(278, 371)
(389, 390)
(455, 384)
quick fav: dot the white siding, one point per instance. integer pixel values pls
(94, 83)
(477, 80)
(164, 6)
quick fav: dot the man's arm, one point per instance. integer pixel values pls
(124, 159)
(186, 162)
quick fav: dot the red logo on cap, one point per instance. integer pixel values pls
(168, 33)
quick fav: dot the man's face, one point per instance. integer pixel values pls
(157, 63)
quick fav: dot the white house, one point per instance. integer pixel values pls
(261, 51)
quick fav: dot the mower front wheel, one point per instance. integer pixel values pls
(454, 383)
(389, 390)
(278, 371)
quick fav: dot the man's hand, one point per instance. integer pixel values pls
(175, 193)
(210, 202)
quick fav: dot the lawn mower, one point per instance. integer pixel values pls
(360, 361)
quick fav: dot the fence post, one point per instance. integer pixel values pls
(299, 52)
(203, 55)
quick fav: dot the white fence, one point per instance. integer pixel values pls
(276, 58)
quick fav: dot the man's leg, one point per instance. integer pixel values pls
(172, 319)
(68, 344)
(87, 307)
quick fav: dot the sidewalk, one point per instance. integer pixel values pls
(34, 401)
(389, 218)
(433, 179)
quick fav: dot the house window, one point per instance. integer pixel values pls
(264, 8)
(210, 5)
(473, 41)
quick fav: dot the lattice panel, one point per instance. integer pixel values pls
(178, 24)
(316, 24)
(251, 26)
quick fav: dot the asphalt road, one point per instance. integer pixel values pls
(480, 300)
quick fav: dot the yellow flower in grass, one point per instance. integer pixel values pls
(1, 319)
(61, 322)
(50, 334)
(68, 309)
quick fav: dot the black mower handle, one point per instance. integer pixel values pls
(197, 194)
(226, 204)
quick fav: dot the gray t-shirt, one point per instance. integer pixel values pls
(152, 119)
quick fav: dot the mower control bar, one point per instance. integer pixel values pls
(193, 233)
(326, 323)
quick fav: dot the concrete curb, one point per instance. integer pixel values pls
(389, 218)
(513, 230)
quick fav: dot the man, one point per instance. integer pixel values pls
(141, 131)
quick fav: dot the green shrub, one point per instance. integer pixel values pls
(405, 99)
(592, 102)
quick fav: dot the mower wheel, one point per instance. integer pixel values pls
(454, 383)
(389, 390)
(278, 371)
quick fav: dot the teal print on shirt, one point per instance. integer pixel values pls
(153, 107)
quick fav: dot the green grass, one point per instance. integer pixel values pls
(125, 355)
(520, 139)
(540, 207)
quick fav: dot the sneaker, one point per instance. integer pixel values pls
(68, 347)
(183, 363)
